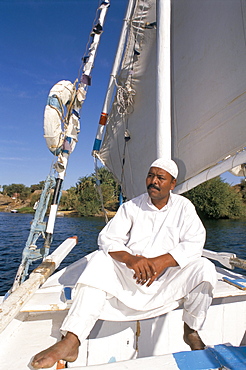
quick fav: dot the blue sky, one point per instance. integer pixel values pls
(41, 43)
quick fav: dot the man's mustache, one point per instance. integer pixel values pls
(153, 186)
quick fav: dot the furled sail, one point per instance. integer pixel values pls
(208, 94)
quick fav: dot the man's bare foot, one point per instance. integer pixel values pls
(191, 337)
(67, 349)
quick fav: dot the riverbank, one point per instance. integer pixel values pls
(8, 204)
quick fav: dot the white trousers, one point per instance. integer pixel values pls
(89, 302)
(84, 312)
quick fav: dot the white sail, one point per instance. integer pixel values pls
(209, 83)
(208, 99)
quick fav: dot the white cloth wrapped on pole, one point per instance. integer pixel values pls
(60, 96)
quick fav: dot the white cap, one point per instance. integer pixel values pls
(167, 165)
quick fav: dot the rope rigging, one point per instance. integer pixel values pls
(125, 91)
(122, 78)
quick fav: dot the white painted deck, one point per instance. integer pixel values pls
(147, 363)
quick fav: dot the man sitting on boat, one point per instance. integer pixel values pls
(148, 263)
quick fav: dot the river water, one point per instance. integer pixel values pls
(222, 235)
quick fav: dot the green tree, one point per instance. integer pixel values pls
(38, 186)
(88, 202)
(20, 190)
(243, 189)
(109, 188)
(69, 200)
(85, 199)
(216, 199)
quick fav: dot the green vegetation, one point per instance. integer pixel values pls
(217, 199)
(26, 210)
(38, 186)
(85, 197)
(19, 191)
(242, 189)
(213, 199)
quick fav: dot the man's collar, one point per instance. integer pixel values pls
(169, 203)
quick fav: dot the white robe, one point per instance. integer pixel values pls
(140, 228)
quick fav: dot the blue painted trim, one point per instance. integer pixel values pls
(54, 102)
(121, 200)
(233, 358)
(196, 360)
(68, 293)
(76, 113)
(236, 282)
(97, 144)
(57, 151)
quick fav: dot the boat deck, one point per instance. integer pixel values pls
(112, 343)
(218, 357)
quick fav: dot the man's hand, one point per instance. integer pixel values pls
(161, 263)
(146, 270)
(143, 268)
